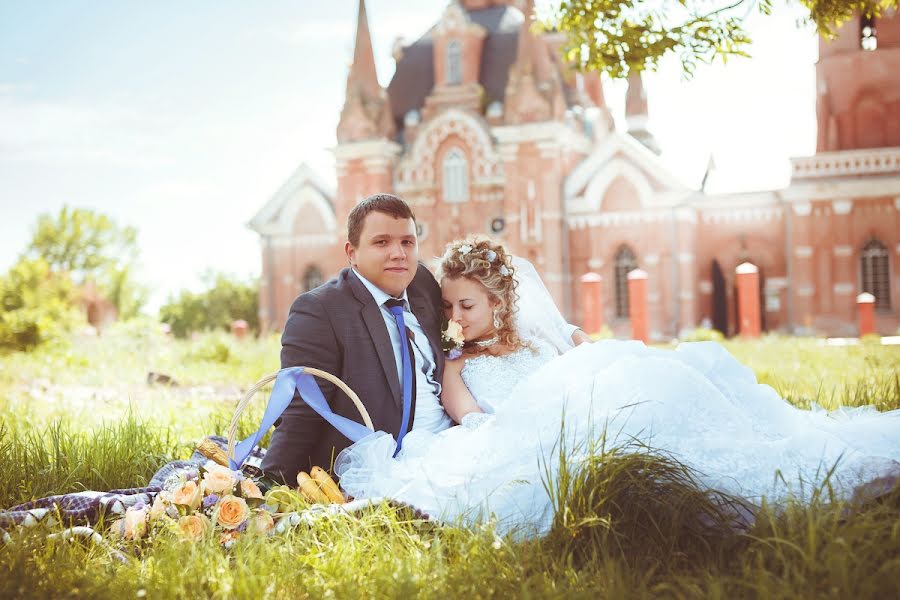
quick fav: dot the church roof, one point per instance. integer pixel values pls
(413, 79)
(268, 217)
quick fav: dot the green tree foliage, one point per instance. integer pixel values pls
(227, 299)
(89, 246)
(619, 36)
(37, 305)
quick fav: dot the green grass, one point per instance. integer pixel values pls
(805, 370)
(630, 521)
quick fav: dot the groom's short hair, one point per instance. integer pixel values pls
(383, 203)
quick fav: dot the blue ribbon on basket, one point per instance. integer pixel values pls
(288, 380)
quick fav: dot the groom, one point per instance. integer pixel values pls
(345, 327)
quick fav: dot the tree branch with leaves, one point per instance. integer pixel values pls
(617, 37)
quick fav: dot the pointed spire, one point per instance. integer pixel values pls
(526, 51)
(363, 76)
(366, 112)
(534, 89)
(636, 97)
(593, 86)
(637, 114)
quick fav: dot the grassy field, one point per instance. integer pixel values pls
(81, 416)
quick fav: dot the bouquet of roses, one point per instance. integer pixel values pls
(210, 500)
(452, 339)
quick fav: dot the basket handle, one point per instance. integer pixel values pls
(248, 396)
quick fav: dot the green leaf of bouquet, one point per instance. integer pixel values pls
(254, 502)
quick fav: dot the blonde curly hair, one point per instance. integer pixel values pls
(481, 259)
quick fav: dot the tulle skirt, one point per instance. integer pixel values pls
(697, 403)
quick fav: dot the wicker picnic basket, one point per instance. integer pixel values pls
(248, 397)
(317, 486)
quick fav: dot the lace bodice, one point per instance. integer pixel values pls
(491, 378)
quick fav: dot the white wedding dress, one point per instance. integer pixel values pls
(696, 402)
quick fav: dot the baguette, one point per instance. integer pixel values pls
(327, 485)
(310, 489)
(212, 451)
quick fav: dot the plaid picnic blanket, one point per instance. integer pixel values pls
(90, 506)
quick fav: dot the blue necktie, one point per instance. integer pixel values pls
(396, 308)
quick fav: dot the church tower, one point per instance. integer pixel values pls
(534, 142)
(858, 88)
(366, 151)
(844, 224)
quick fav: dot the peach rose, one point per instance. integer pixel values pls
(187, 494)
(218, 479)
(135, 523)
(193, 527)
(260, 522)
(250, 489)
(232, 512)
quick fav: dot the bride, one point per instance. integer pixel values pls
(520, 391)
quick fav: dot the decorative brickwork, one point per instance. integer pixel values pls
(482, 129)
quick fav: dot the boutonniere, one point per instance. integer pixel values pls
(452, 339)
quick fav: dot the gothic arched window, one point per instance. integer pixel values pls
(312, 278)
(456, 176)
(454, 63)
(626, 262)
(876, 274)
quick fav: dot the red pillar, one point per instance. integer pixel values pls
(865, 306)
(749, 310)
(637, 305)
(592, 302)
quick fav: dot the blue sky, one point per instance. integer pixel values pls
(183, 118)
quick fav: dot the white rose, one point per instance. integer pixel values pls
(160, 504)
(454, 331)
(218, 479)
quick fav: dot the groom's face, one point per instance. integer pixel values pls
(387, 253)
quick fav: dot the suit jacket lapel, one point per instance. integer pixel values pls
(424, 312)
(374, 321)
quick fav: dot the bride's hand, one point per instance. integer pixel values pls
(580, 337)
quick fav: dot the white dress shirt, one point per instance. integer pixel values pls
(430, 414)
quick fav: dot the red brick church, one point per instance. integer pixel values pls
(484, 129)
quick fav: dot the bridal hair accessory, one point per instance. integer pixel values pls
(488, 255)
(452, 340)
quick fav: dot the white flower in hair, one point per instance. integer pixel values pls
(504, 271)
(490, 255)
(465, 249)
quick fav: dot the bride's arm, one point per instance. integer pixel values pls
(455, 396)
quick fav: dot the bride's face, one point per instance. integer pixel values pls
(467, 302)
